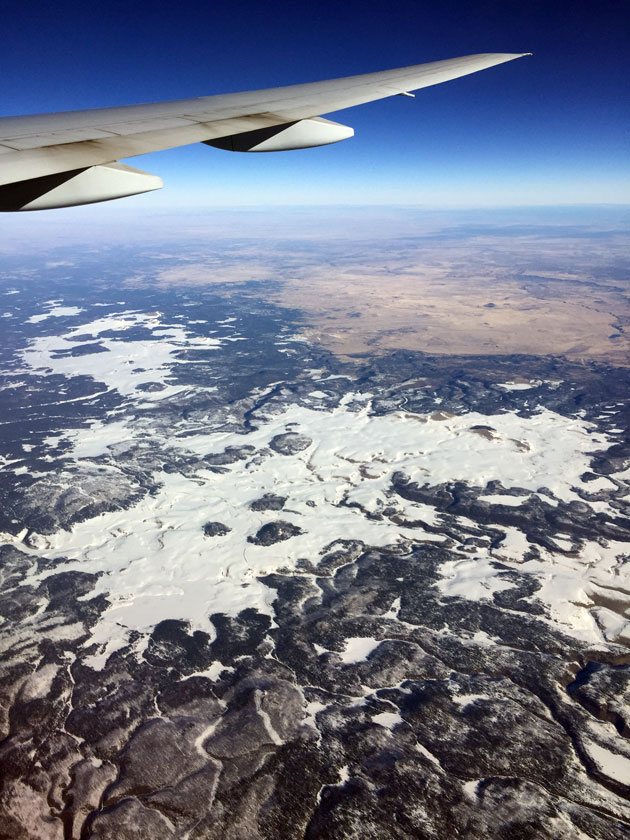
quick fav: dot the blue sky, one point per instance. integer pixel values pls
(554, 128)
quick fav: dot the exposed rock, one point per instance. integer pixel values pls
(215, 529)
(274, 532)
(290, 443)
(151, 387)
(605, 691)
(229, 456)
(270, 501)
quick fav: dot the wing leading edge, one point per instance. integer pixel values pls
(35, 150)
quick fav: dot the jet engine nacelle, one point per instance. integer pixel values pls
(79, 186)
(303, 134)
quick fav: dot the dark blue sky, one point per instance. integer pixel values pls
(553, 128)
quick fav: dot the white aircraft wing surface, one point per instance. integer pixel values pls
(70, 158)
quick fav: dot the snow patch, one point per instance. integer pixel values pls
(517, 386)
(358, 648)
(499, 499)
(126, 364)
(474, 578)
(388, 719)
(55, 312)
(611, 764)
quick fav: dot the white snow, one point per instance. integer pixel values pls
(463, 700)
(344, 774)
(55, 312)
(427, 754)
(274, 737)
(470, 788)
(213, 671)
(614, 626)
(53, 441)
(474, 578)
(127, 363)
(600, 483)
(504, 499)
(358, 648)
(393, 611)
(480, 637)
(434, 451)
(388, 719)
(563, 541)
(612, 764)
(514, 546)
(517, 386)
(155, 563)
(312, 710)
(98, 437)
(204, 735)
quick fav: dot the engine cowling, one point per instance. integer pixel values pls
(303, 134)
(78, 186)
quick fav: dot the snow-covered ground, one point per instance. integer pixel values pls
(155, 562)
(125, 364)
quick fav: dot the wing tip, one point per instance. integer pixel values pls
(509, 56)
(502, 58)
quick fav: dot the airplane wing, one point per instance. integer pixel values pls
(71, 158)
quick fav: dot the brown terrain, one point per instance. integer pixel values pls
(552, 290)
(428, 309)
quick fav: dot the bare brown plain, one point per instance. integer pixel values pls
(357, 313)
(481, 294)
